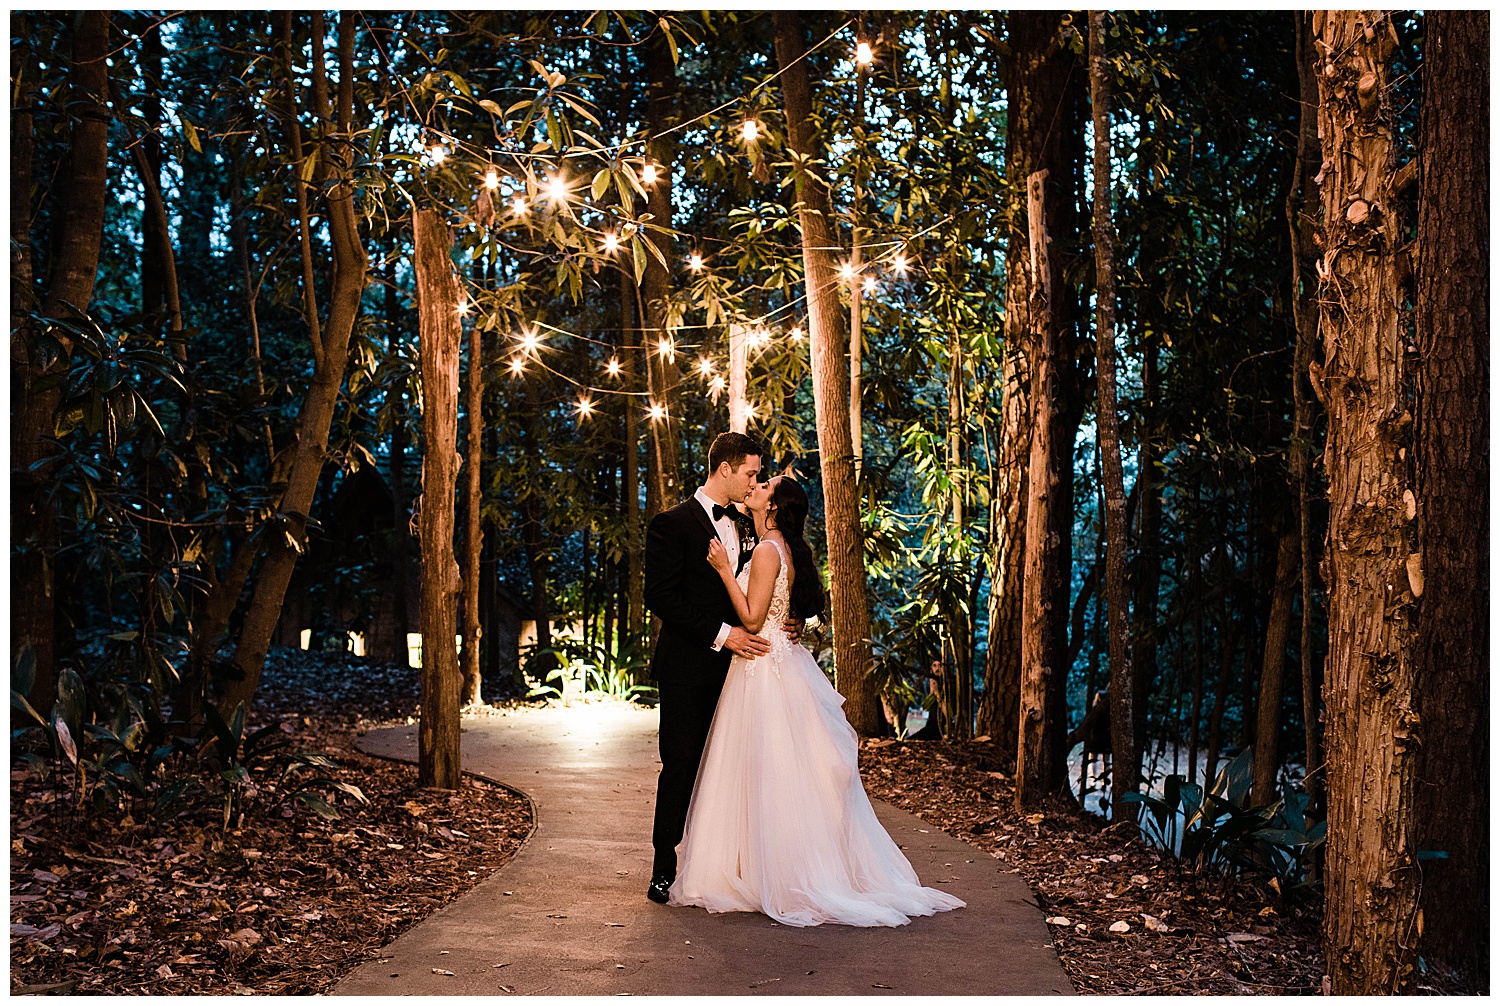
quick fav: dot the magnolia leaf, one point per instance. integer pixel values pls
(65, 738)
(492, 107)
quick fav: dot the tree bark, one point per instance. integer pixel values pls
(662, 374)
(1450, 448)
(631, 568)
(1373, 566)
(80, 230)
(846, 569)
(441, 335)
(1146, 574)
(1273, 664)
(1302, 215)
(330, 351)
(473, 528)
(396, 402)
(1124, 753)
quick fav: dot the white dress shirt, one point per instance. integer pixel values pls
(729, 537)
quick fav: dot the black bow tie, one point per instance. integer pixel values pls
(727, 511)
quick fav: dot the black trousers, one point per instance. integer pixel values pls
(687, 711)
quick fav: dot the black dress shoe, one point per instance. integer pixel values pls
(658, 891)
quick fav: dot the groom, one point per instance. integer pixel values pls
(699, 630)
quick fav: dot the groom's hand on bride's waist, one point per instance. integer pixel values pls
(746, 644)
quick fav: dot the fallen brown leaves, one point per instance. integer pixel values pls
(1125, 919)
(282, 903)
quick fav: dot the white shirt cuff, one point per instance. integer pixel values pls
(722, 636)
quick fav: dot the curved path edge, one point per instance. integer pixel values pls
(568, 914)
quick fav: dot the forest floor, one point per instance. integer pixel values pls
(282, 901)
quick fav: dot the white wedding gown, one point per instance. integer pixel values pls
(779, 822)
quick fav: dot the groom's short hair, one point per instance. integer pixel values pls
(734, 448)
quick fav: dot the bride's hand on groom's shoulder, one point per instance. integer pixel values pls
(718, 558)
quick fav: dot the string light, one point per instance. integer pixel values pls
(749, 410)
(846, 271)
(518, 205)
(648, 174)
(437, 154)
(613, 367)
(869, 284)
(517, 365)
(759, 337)
(796, 333)
(665, 348)
(611, 243)
(557, 188)
(491, 180)
(750, 130)
(695, 262)
(463, 308)
(717, 384)
(862, 54)
(529, 342)
(705, 366)
(585, 408)
(657, 412)
(900, 264)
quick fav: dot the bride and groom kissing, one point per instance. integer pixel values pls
(759, 806)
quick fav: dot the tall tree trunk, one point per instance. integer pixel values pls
(1037, 71)
(662, 374)
(330, 346)
(473, 529)
(1374, 568)
(1273, 664)
(631, 568)
(1036, 769)
(441, 335)
(1450, 448)
(1146, 579)
(846, 567)
(395, 399)
(154, 239)
(1302, 216)
(1124, 753)
(80, 230)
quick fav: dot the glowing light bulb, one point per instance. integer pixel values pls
(717, 384)
(759, 337)
(491, 180)
(795, 334)
(862, 54)
(900, 264)
(695, 262)
(705, 366)
(846, 271)
(437, 154)
(585, 408)
(530, 341)
(557, 189)
(463, 309)
(517, 365)
(657, 412)
(611, 243)
(518, 206)
(664, 348)
(750, 130)
(749, 410)
(869, 284)
(613, 367)
(648, 174)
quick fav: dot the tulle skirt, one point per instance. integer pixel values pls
(779, 822)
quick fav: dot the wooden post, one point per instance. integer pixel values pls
(737, 353)
(1037, 678)
(440, 334)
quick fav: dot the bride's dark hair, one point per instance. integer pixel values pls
(791, 517)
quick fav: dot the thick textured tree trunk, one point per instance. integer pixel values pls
(1124, 754)
(473, 528)
(441, 335)
(80, 227)
(1373, 566)
(1037, 72)
(330, 352)
(825, 319)
(1303, 203)
(662, 374)
(1037, 770)
(1272, 668)
(1450, 447)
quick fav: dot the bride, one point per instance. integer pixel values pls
(779, 822)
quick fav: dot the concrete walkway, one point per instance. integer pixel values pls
(569, 915)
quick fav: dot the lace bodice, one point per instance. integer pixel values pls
(781, 599)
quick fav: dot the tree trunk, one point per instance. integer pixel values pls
(1146, 578)
(846, 568)
(1037, 71)
(1124, 754)
(473, 529)
(154, 239)
(330, 351)
(1273, 664)
(1450, 448)
(1302, 216)
(395, 400)
(631, 568)
(441, 335)
(80, 231)
(1374, 570)
(662, 374)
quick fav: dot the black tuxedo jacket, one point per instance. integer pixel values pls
(685, 592)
